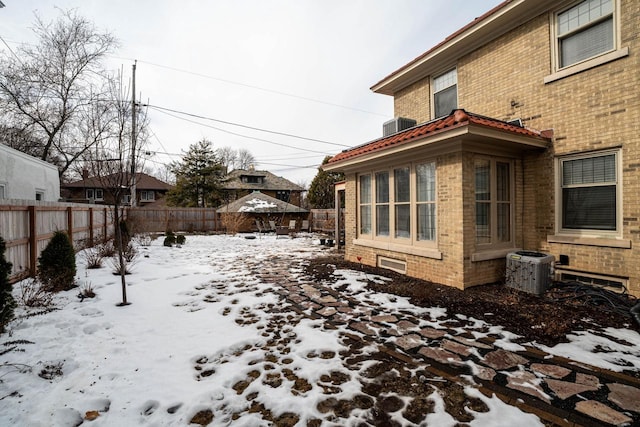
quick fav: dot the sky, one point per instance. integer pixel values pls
(242, 73)
(206, 316)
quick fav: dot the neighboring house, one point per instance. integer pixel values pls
(259, 206)
(26, 177)
(240, 182)
(448, 198)
(92, 190)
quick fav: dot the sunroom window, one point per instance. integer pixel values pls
(426, 201)
(382, 204)
(402, 202)
(365, 204)
(493, 201)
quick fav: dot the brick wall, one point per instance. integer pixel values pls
(592, 110)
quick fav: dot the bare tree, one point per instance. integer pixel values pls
(110, 160)
(245, 159)
(228, 157)
(51, 88)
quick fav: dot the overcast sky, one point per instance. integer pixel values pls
(300, 67)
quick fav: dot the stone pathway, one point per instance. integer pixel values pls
(558, 390)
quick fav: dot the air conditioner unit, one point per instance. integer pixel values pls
(397, 125)
(529, 271)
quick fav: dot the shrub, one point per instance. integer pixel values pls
(93, 257)
(86, 291)
(7, 303)
(57, 264)
(34, 294)
(181, 239)
(170, 239)
(232, 221)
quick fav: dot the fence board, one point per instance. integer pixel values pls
(174, 219)
(27, 227)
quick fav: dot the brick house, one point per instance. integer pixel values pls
(241, 182)
(519, 131)
(92, 190)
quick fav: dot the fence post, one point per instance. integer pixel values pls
(70, 223)
(91, 227)
(105, 225)
(33, 241)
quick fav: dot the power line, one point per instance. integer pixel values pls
(156, 107)
(243, 136)
(255, 87)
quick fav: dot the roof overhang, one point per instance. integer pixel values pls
(501, 19)
(469, 137)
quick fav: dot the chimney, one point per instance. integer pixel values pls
(85, 173)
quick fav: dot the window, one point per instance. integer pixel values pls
(589, 187)
(426, 201)
(445, 93)
(39, 195)
(398, 205)
(284, 195)
(493, 201)
(402, 202)
(382, 203)
(147, 195)
(584, 31)
(126, 199)
(365, 204)
(2, 191)
(94, 194)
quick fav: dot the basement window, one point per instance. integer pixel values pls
(396, 265)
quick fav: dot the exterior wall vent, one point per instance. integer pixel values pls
(397, 125)
(396, 265)
(615, 284)
(529, 271)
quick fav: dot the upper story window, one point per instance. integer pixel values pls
(590, 192)
(284, 195)
(584, 31)
(95, 194)
(445, 93)
(251, 179)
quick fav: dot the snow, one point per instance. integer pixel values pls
(255, 205)
(205, 331)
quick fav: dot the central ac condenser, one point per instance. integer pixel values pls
(529, 271)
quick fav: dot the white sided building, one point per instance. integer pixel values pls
(24, 177)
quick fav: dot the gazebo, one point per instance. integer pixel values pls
(259, 206)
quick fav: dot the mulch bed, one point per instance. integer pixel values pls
(544, 319)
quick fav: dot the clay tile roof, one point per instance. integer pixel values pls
(457, 119)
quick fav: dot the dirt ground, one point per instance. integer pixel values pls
(546, 319)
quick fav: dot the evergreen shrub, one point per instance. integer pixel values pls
(57, 264)
(7, 303)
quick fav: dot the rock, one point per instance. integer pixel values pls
(565, 389)
(526, 382)
(385, 318)
(440, 355)
(362, 327)
(406, 326)
(551, 370)
(91, 415)
(327, 311)
(407, 342)
(472, 343)
(502, 359)
(587, 380)
(602, 412)
(432, 333)
(456, 347)
(625, 396)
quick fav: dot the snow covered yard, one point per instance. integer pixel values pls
(209, 338)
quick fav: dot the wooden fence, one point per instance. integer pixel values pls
(324, 219)
(175, 219)
(27, 227)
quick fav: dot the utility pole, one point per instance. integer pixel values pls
(134, 200)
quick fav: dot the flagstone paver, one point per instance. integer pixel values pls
(625, 396)
(527, 382)
(456, 347)
(587, 379)
(553, 371)
(440, 355)
(503, 359)
(602, 412)
(566, 389)
(407, 342)
(432, 333)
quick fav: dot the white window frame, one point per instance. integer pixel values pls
(584, 232)
(439, 86)
(413, 203)
(617, 52)
(144, 195)
(365, 203)
(493, 201)
(99, 192)
(40, 193)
